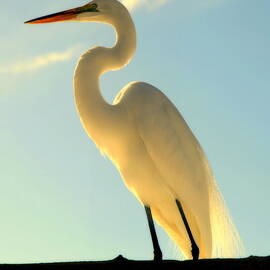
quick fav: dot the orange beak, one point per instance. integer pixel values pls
(57, 17)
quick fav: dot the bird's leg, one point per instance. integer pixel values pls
(194, 248)
(157, 250)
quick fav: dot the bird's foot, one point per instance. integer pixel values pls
(195, 252)
(157, 255)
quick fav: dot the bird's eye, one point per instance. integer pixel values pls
(89, 8)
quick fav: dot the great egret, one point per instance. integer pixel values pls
(144, 135)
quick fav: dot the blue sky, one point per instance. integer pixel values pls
(60, 199)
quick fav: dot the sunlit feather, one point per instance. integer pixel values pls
(148, 140)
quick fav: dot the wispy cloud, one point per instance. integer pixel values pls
(194, 5)
(37, 62)
(149, 4)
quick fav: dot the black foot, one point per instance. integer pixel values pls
(156, 247)
(195, 252)
(157, 255)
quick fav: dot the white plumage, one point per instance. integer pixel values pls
(149, 142)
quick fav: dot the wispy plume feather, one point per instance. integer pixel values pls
(37, 62)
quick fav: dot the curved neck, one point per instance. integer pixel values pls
(125, 46)
(95, 113)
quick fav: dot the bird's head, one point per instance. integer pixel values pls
(95, 11)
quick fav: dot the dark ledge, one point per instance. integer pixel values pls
(250, 263)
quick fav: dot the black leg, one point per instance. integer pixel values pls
(194, 248)
(157, 250)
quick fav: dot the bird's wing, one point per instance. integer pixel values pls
(168, 140)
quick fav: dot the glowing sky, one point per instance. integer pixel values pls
(59, 198)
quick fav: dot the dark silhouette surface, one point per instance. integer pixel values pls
(250, 263)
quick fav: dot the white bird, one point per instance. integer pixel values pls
(149, 142)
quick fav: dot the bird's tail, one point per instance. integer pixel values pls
(226, 242)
